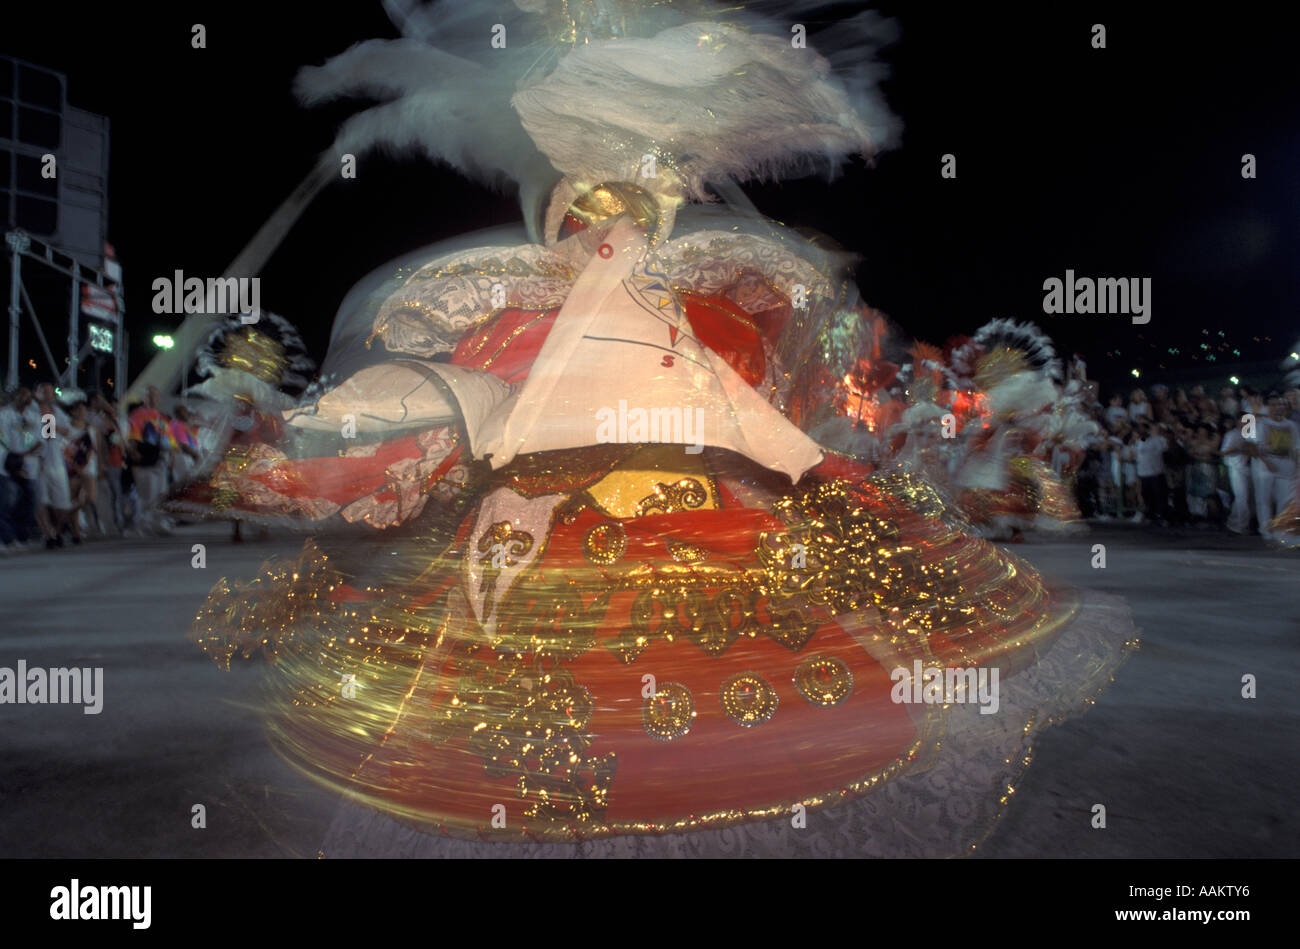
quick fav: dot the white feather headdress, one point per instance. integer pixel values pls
(586, 90)
(709, 101)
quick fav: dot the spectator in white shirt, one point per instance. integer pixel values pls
(1273, 461)
(1115, 412)
(1228, 404)
(20, 455)
(1138, 406)
(1237, 460)
(53, 498)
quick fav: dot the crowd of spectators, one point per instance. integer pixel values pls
(77, 467)
(1188, 458)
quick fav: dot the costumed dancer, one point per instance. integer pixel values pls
(1006, 481)
(923, 440)
(250, 372)
(623, 601)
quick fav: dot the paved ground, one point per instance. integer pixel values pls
(1185, 766)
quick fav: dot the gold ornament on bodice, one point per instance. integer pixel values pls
(609, 200)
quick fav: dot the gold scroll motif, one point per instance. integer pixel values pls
(528, 722)
(684, 495)
(499, 547)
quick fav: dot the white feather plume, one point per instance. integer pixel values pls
(747, 104)
(713, 101)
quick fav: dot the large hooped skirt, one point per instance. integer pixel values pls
(711, 670)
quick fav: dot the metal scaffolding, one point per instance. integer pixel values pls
(20, 245)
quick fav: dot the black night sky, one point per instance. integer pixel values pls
(1117, 162)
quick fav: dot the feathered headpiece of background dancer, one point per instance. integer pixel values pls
(266, 361)
(998, 365)
(1025, 338)
(234, 344)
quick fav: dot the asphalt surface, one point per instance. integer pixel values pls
(1185, 766)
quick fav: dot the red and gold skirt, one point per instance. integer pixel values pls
(659, 648)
